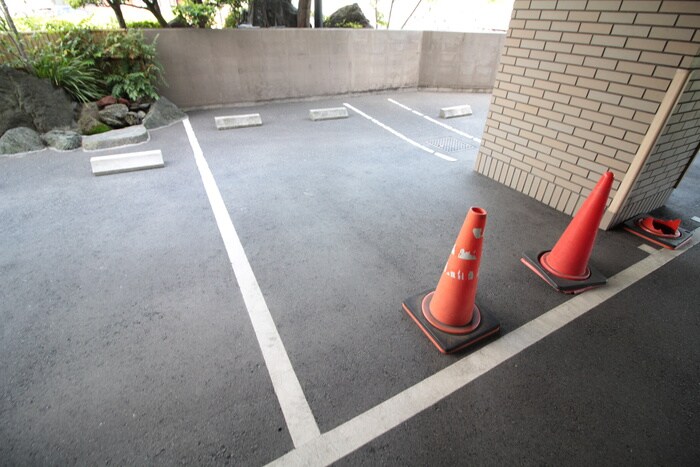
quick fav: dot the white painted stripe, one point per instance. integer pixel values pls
(348, 437)
(400, 104)
(696, 219)
(437, 122)
(400, 135)
(295, 408)
(647, 248)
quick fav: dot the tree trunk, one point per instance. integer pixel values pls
(391, 8)
(15, 37)
(304, 14)
(411, 15)
(154, 8)
(117, 8)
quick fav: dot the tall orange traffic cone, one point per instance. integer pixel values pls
(448, 315)
(566, 266)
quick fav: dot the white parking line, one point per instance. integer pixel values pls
(295, 408)
(437, 122)
(696, 219)
(647, 248)
(348, 437)
(400, 135)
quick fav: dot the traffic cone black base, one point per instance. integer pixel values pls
(567, 286)
(633, 226)
(483, 323)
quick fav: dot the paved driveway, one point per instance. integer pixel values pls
(243, 305)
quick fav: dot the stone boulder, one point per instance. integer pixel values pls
(345, 15)
(274, 13)
(20, 139)
(163, 113)
(89, 121)
(105, 101)
(113, 115)
(27, 101)
(63, 140)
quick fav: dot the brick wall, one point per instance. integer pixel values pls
(673, 152)
(581, 84)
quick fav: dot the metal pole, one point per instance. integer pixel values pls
(318, 13)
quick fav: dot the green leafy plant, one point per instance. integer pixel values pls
(237, 14)
(130, 65)
(348, 25)
(143, 24)
(89, 64)
(77, 76)
(200, 15)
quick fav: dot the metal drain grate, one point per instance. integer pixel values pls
(449, 144)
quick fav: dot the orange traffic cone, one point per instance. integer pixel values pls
(448, 315)
(666, 233)
(566, 266)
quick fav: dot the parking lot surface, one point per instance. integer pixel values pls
(243, 305)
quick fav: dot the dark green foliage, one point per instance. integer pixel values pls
(77, 76)
(130, 65)
(200, 15)
(89, 64)
(143, 24)
(237, 15)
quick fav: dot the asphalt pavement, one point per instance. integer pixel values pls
(130, 327)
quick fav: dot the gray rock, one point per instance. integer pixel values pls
(20, 139)
(111, 139)
(345, 15)
(132, 118)
(163, 113)
(64, 140)
(28, 101)
(141, 114)
(113, 115)
(274, 13)
(137, 106)
(89, 121)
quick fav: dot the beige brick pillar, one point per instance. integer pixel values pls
(586, 86)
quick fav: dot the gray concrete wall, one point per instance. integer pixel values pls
(219, 67)
(460, 60)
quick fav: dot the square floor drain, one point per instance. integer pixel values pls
(449, 144)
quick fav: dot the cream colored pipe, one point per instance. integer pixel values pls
(657, 125)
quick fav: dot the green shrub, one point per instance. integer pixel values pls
(237, 15)
(143, 25)
(78, 77)
(130, 65)
(89, 64)
(200, 15)
(344, 24)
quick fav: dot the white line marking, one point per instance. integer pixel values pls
(647, 248)
(400, 135)
(696, 219)
(348, 437)
(400, 105)
(295, 408)
(437, 122)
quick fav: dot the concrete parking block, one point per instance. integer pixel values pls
(130, 162)
(111, 139)
(237, 121)
(455, 111)
(331, 113)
